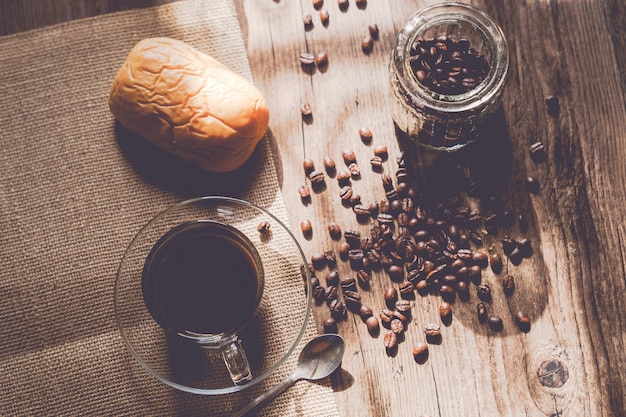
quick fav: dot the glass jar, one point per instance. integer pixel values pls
(448, 69)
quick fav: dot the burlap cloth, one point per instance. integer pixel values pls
(75, 188)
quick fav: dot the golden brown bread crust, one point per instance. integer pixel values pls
(188, 104)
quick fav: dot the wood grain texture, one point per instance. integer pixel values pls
(572, 362)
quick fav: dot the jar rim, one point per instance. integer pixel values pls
(430, 16)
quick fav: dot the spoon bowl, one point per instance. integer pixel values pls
(319, 358)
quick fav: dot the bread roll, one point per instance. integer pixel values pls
(189, 104)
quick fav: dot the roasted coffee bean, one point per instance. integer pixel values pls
(372, 324)
(316, 178)
(480, 258)
(365, 311)
(445, 311)
(329, 165)
(305, 109)
(360, 210)
(495, 323)
(377, 163)
(363, 277)
(508, 284)
(361, 3)
(462, 290)
(532, 185)
(496, 262)
(334, 230)
(355, 254)
(367, 44)
(391, 295)
(447, 292)
(365, 134)
(484, 292)
(352, 300)
(420, 350)
(346, 193)
(318, 260)
(396, 326)
(523, 321)
(348, 284)
(403, 306)
(348, 156)
(343, 4)
(432, 330)
(422, 287)
(508, 245)
(522, 221)
(330, 293)
(476, 238)
(373, 30)
(354, 199)
(525, 247)
(330, 325)
(317, 4)
(324, 17)
(395, 272)
(481, 312)
(332, 278)
(308, 21)
(380, 151)
(406, 289)
(321, 59)
(306, 227)
(355, 171)
(390, 340)
(304, 192)
(338, 309)
(353, 237)
(465, 255)
(373, 209)
(516, 256)
(386, 315)
(508, 218)
(307, 59)
(263, 226)
(344, 248)
(384, 218)
(319, 294)
(330, 257)
(387, 182)
(343, 177)
(308, 165)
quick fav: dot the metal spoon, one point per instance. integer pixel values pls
(319, 358)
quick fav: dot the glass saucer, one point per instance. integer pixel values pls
(268, 339)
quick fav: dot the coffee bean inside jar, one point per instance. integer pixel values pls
(448, 70)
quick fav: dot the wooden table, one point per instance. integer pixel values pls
(571, 362)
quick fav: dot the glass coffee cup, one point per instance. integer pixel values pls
(207, 301)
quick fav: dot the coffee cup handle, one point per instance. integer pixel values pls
(236, 360)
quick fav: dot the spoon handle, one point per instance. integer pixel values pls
(265, 398)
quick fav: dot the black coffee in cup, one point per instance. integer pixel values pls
(202, 277)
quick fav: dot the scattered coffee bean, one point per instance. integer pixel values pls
(390, 340)
(495, 323)
(496, 262)
(377, 163)
(324, 17)
(508, 245)
(480, 258)
(353, 237)
(363, 277)
(391, 295)
(522, 222)
(373, 30)
(462, 290)
(334, 230)
(432, 330)
(348, 156)
(447, 292)
(532, 185)
(344, 248)
(332, 278)
(304, 191)
(317, 4)
(308, 21)
(355, 171)
(537, 152)
(329, 165)
(516, 256)
(367, 44)
(352, 300)
(348, 284)
(330, 257)
(338, 309)
(525, 247)
(309, 165)
(365, 134)
(365, 311)
(343, 177)
(361, 4)
(316, 178)
(484, 292)
(346, 193)
(420, 350)
(406, 289)
(396, 326)
(330, 293)
(360, 210)
(318, 260)
(306, 227)
(380, 151)
(343, 4)
(386, 315)
(481, 312)
(321, 59)
(523, 321)
(263, 226)
(307, 59)
(445, 311)
(403, 306)
(372, 324)
(330, 325)
(508, 284)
